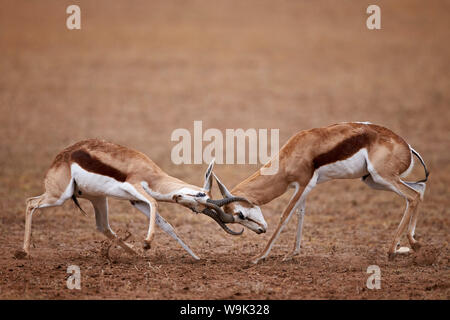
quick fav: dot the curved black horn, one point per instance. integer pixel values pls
(226, 201)
(215, 217)
(224, 217)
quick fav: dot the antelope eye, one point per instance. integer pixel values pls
(241, 216)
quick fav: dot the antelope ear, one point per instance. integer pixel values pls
(223, 190)
(208, 178)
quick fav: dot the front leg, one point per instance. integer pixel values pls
(298, 239)
(151, 228)
(283, 221)
(138, 192)
(164, 225)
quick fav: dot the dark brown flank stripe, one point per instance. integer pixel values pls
(94, 165)
(343, 150)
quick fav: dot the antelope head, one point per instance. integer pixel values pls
(212, 208)
(238, 210)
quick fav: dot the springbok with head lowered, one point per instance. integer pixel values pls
(96, 169)
(341, 151)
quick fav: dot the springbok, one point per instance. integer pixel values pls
(96, 169)
(341, 151)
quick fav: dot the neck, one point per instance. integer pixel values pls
(166, 187)
(261, 189)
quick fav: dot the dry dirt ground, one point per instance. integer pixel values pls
(137, 71)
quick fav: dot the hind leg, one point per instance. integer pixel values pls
(59, 187)
(412, 202)
(412, 197)
(419, 187)
(416, 245)
(368, 180)
(100, 205)
(44, 201)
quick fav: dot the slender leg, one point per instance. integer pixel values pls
(412, 202)
(368, 180)
(412, 197)
(420, 187)
(32, 205)
(283, 221)
(298, 238)
(58, 188)
(416, 245)
(165, 226)
(100, 205)
(143, 196)
(43, 201)
(151, 227)
(301, 215)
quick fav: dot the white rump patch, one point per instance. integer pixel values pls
(411, 166)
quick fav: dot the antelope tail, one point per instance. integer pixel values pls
(74, 198)
(427, 173)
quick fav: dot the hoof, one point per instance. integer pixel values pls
(146, 245)
(403, 250)
(255, 260)
(290, 256)
(399, 251)
(391, 256)
(416, 246)
(21, 254)
(132, 252)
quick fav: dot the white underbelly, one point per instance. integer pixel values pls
(350, 168)
(92, 184)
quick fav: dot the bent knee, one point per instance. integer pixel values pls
(413, 201)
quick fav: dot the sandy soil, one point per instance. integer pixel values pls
(134, 73)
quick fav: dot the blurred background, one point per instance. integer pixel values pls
(137, 70)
